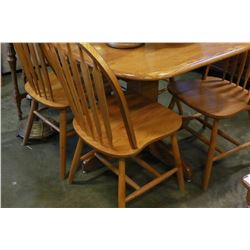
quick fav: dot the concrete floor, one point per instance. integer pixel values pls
(30, 175)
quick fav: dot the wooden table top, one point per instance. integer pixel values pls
(158, 61)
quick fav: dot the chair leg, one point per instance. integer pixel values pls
(211, 152)
(62, 142)
(75, 160)
(121, 184)
(178, 162)
(206, 121)
(172, 103)
(34, 106)
(179, 106)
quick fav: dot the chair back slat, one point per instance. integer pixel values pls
(71, 88)
(21, 54)
(241, 67)
(45, 74)
(37, 69)
(83, 99)
(29, 62)
(233, 67)
(100, 91)
(247, 75)
(92, 101)
(34, 65)
(83, 80)
(247, 80)
(225, 69)
(54, 58)
(207, 68)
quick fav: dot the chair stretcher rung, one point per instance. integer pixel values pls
(220, 132)
(88, 156)
(202, 138)
(114, 169)
(46, 121)
(151, 184)
(232, 151)
(71, 132)
(146, 166)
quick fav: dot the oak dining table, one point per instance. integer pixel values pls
(142, 68)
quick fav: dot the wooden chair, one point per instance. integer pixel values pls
(44, 88)
(216, 98)
(114, 126)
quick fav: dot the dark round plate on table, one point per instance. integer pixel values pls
(124, 45)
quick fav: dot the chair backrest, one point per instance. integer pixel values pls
(35, 68)
(83, 80)
(237, 68)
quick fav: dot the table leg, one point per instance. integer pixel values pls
(164, 154)
(12, 63)
(147, 89)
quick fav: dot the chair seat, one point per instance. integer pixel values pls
(60, 100)
(151, 121)
(213, 97)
